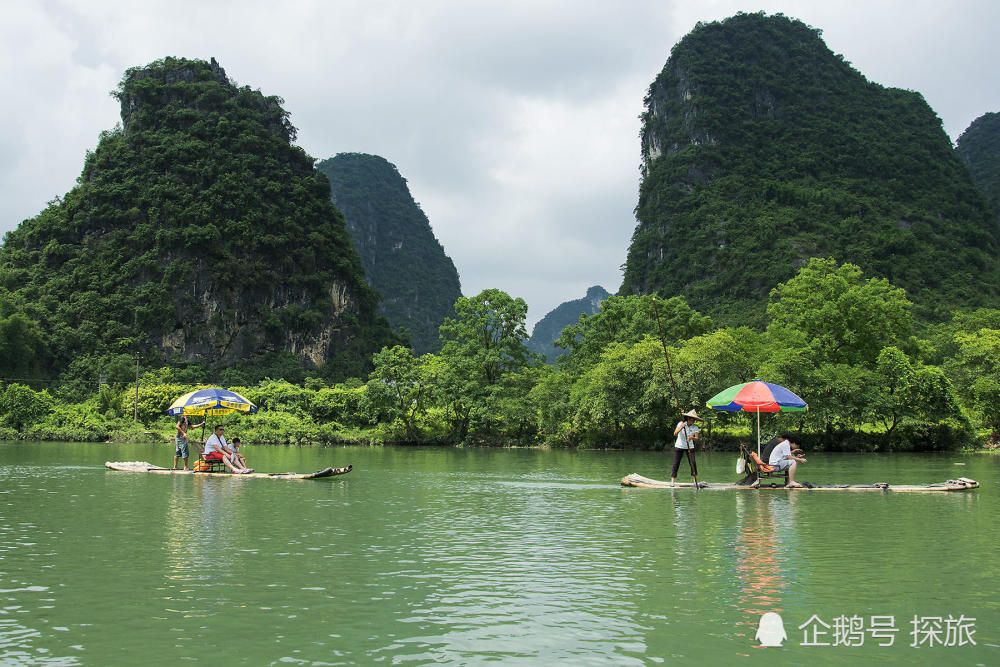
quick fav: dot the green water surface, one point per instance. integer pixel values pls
(468, 556)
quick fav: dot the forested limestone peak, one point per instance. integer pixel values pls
(979, 148)
(197, 232)
(549, 328)
(761, 148)
(402, 258)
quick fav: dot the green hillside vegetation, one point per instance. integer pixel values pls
(548, 329)
(763, 149)
(197, 233)
(401, 257)
(979, 148)
(842, 341)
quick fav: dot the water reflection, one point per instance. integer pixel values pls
(463, 557)
(522, 573)
(201, 515)
(765, 522)
(26, 547)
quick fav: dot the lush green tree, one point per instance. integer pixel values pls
(707, 364)
(905, 390)
(980, 356)
(483, 347)
(341, 404)
(841, 317)
(278, 396)
(550, 401)
(399, 387)
(939, 342)
(153, 401)
(828, 327)
(626, 395)
(627, 319)
(516, 414)
(22, 348)
(21, 407)
(486, 336)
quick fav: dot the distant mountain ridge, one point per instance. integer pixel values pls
(549, 328)
(979, 148)
(402, 258)
(761, 149)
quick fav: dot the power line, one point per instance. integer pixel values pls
(29, 380)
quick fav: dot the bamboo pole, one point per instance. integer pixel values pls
(677, 399)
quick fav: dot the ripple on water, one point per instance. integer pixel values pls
(460, 557)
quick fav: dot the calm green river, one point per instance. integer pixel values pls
(468, 556)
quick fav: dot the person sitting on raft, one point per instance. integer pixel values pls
(783, 457)
(236, 453)
(217, 449)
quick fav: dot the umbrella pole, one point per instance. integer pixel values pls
(758, 433)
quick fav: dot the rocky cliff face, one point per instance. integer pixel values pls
(761, 148)
(549, 328)
(402, 259)
(198, 231)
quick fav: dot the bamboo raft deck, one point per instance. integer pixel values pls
(960, 484)
(143, 466)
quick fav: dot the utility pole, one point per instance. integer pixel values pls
(136, 417)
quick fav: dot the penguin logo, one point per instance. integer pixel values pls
(771, 631)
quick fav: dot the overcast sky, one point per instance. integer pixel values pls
(515, 123)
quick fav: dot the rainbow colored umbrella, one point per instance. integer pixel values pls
(757, 396)
(210, 401)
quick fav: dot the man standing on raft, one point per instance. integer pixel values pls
(687, 433)
(181, 439)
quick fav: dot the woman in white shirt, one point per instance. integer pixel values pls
(687, 433)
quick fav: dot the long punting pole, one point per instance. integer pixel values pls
(677, 398)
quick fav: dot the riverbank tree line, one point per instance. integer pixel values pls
(874, 378)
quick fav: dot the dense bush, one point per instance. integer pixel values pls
(21, 407)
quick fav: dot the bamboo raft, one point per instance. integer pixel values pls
(142, 466)
(960, 484)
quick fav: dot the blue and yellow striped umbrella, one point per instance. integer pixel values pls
(210, 401)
